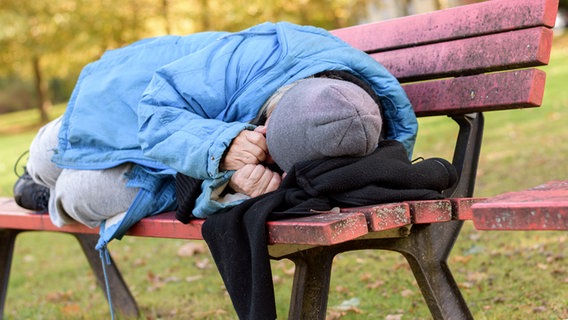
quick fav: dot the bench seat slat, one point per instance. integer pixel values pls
(478, 93)
(494, 52)
(454, 23)
(319, 229)
(165, 225)
(430, 211)
(544, 207)
(385, 216)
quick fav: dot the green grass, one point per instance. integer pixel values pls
(503, 275)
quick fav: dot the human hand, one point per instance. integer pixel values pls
(248, 147)
(254, 180)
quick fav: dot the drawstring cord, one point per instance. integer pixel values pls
(105, 260)
(18, 162)
(417, 159)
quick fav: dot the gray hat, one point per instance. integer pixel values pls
(321, 117)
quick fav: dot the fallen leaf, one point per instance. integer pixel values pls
(376, 284)
(203, 263)
(341, 289)
(401, 265)
(462, 259)
(366, 277)
(465, 285)
(476, 276)
(139, 262)
(540, 309)
(334, 315)
(59, 296)
(190, 249)
(70, 309)
(172, 279)
(407, 293)
(194, 278)
(394, 317)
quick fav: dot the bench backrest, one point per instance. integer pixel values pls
(458, 51)
(464, 61)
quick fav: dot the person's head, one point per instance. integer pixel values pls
(316, 118)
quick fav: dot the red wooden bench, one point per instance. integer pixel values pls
(469, 60)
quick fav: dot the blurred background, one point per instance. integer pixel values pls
(44, 44)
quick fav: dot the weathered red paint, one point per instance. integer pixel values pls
(461, 207)
(544, 207)
(450, 24)
(430, 211)
(320, 229)
(165, 225)
(523, 48)
(525, 88)
(385, 216)
(14, 217)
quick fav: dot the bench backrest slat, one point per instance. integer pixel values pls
(502, 51)
(479, 93)
(454, 23)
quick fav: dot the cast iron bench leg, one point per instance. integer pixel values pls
(311, 283)
(426, 251)
(7, 240)
(122, 298)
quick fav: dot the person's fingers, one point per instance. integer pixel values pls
(257, 174)
(254, 180)
(256, 138)
(240, 181)
(274, 183)
(248, 147)
(269, 181)
(260, 129)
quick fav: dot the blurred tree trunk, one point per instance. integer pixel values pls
(205, 16)
(405, 7)
(44, 103)
(166, 16)
(440, 4)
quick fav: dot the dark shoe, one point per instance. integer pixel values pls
(30, 195)
(453, 176)
(436, 174)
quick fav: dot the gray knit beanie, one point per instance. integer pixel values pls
(322, 117)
